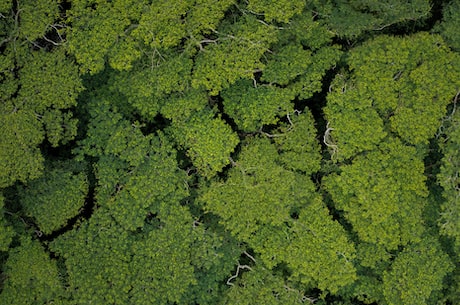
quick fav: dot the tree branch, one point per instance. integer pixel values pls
(238, 268)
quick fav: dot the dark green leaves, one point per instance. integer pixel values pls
(56, 197)
(32, 278)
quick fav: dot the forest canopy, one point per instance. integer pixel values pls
(201, 152)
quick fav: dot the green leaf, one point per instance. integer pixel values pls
(252, 107)
(32, 278)
(416, 273)
(54, 198)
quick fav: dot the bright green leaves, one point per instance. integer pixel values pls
(20, 157)
(162, 260)
(416, 273)
(136, 173)
(287, 64)
(410, 81)
(36, 17)
(49, 100)
(55, 198)
(162, 24)
(98, 28)
(281, 11)
(209, 141)
(147, 88)
(398, 85)
(97, 257)
(285, 224)
(354, 124)
(311, 81)
(62, 84)
(260, 286)
(31, 277)
(248, 200)
(382, 194)
(318, 249)
(236, 54)
(252, 107)
(165, 261)
(123, 31)
(204, 16)
(180, 106)
(41, 108)
(297, 146)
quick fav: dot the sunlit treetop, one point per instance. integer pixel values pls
(383, 194)
(397, 86)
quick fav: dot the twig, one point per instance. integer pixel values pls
(238, 268)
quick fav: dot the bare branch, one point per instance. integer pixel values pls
(250, 256)
(304, 298)
(328, 141)
(52, 42)
(238, 268)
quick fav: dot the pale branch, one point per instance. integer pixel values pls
(304, 298)
(237, 273)
(250, 256)
(234, 164)
(297, 112)
(268, 135)
(52, 42)
(328, 141)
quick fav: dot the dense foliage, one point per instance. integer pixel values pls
(229, 152)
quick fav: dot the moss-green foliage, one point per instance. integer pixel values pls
(383, 194)
(261, 286)
(5, 5)
(297, 147)
(351, 19)
(149, 84)
(318, 250)
(31, 276)
(203, 156)
(55, 197)
(260, 214)
(400, 86)
(417, 271)
(37, 17)
(34, 109)
(247, 200)
(121, 32)
(6, 231)
(281, 11)
(209, 141)
(157, 264)
(253, 107)
(20, 158)
(127, 162)
(449, 179)
(448, 28)
(236, 54)
(98, 27)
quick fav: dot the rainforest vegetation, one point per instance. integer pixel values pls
(201, 152)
